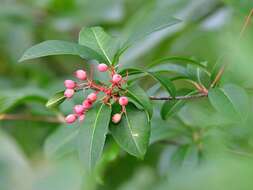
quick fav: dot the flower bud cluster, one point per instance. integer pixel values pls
(110, 92)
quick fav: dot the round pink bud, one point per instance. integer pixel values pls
(69, 84)
(81, 74)
(102, 67)
(68, 93)
(71, 118)
(78, 109)
(87, 104)
(116, 118)
(92, 97)
(81, 117)
(123, 101)
(116, 78)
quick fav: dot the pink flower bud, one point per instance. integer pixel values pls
(78, 109)
(102, 67)
(81, 74)
(81, 117)
(69, 84)
(116, 118)
(116, 78)
(123, 101)
(87, 104)
(68, 93)
(92, 97)
(71, 118)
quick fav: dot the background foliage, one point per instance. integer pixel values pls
(200, 145)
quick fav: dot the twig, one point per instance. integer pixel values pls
(25, 117)
(246, 23)
(222, 69)
(60, 119)
(178, 97)
(218, 76)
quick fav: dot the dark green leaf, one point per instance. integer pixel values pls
(56, 47)
(98, 40)
(92, 135)
(130, 71)
(165, 82)
(136, 93)
(133, 131)
(177, 60)
(56, 100)
(168, 68)
(231, 101)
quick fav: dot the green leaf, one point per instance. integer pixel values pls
(145, 22)
(184, 157)
(136, 93)
(98, 40)
(198, 75)
(92, 135)
(171, 107)
(177, 60)
(12, 98)
(56, 47)
(61, 142)
(164, 81)
(56, 100)
(231, 101)
(168, 68)
(131, 71)
(165, 129)
(133, 131)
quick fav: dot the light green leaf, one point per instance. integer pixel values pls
(165, 129)
(186, 156)
(61, 142)
(136, 93)
(98, 40)
(92, 135)
(133, 131)
(12, 98)
(56, 100)
(56, 47)
(171, 107)
(231, 101)
(145, 22)
(199, 75)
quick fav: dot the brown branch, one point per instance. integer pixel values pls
(246, 23)
(60, 118)
(179, 97)
(26, 117)
(218, 76)
(245, 26)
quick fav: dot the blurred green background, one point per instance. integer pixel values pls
(202, 150)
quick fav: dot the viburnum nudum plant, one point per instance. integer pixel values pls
(121, 108)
